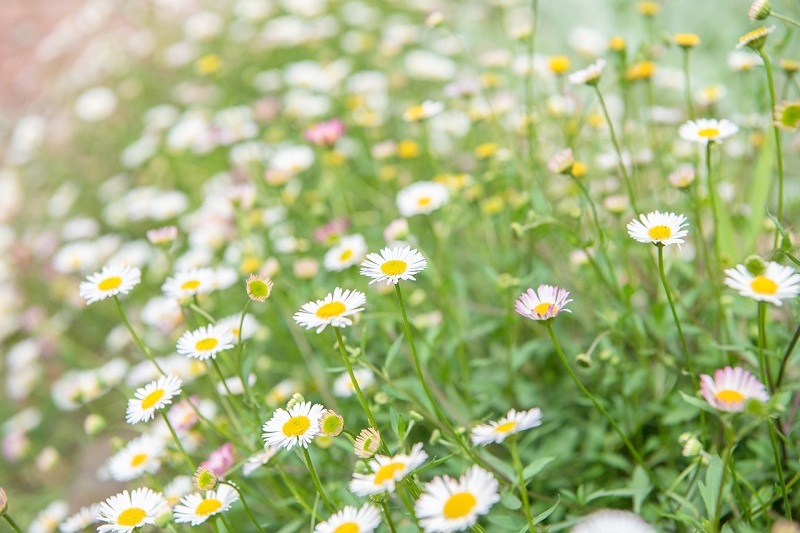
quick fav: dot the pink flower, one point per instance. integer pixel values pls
(730, 388)
(330, 233)
(325, 133)
(220, 460)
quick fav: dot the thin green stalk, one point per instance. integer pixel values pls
(315, 479)
(529, 85)
(787, 508)
(194, 306)
(712, 196)
(353, 380)
(289, 482)
(177, 440)
(136, 338)
(786, 356)
(388, 515)
(663, 274)
(777, 132)
(244, 504)
(226, 403)
(477, 528)
(214, 525)
(11, 523)
(689, 101)
(523, 486)
(239, 347)
(622, 169)
(599, 406)
(785, 19)
(729, 444)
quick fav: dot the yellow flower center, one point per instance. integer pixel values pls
(208, 506)
(686, 40)
(708, 133)
(394, 267)
(415, 113)
(659, 233)
(296, 426)
(131, 517)
(331, 309)
(559, 64)
(729, 396)
(347, 254)
(387, 472)
(459, 505)
(138, 459)
(204, 345)
(349, 527)
(151, 399)
(762, 285)
(425, 200)
(505, 428)
(110, 283)
(191, 284)
(542, 308)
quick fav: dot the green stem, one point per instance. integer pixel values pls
(214, 525)
(777, 132)
(763, 364)
(729, 443)
(244, 504)
(177, 441)
(712, 196)
(11, 523)
(239, 347)
(787, 355)
(785, 19)
(622, 169)
(353, 380)
(529, 85)
(194, 306)
(388, 515)
(136, 338)
(689, 102)
(523, 486)
(315, 479)
(599, 406)
(787, 508)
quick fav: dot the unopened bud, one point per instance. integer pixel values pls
(94, 424)
(755, 265)
(205, 479)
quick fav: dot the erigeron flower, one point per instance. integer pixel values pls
(544, 303)
(219, 461)
(759, 10)
(731, 388)
(393, 265)
(258, 287)
(176, 489)
(448, 505)
(558, 64)
(331, 423)
(612, 521)
(162, 236)
(387, 472)
(643, 70)
(48, 518)
(205, 341)
(705, 130)
(296, 427)
(682, 177)
(755, 39)
(686, 40)
(249, 326)
(343, 385)
(775, 284)
(787, 116)
(80, 520)
(351, 520)
(561, 162)
(126, 511)
(258, 459)
(111, 281)
(197, 508)
(424, 111)
(325, 133)
(152, 397)
(367, 443)
(513, 422)
(349, 251)
(421, 198)
(334, 310)
(590, 75)
(659, 228)
(189, 282)
(137, 457)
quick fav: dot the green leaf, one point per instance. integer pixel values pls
(640, 487)
(510, 500)
(541, 517)
(535, 467)
(758, 192)
(709, 491)
(697, 402)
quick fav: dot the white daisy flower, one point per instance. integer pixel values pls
(513, 422)
(333, 310)
(351, 520)
(80, 520)
(196, 508)
(659, 228)
(249, 326)
(176, 489)
(348, 252)
(137, 457)
(449, 505)
(543, 304)
(588, 76)
(259, 459)
(425, 110)
(421, 198)
(706, 130)
(111, 281)
(731, 388)
(126, 511)
(756, 38)
(393, 265)
(387, 471)
(343, 385)
(612, 521)
(153, 396)
(189, 282)
(206, 341)
(48, 518)
(296, 427)
(776, 283)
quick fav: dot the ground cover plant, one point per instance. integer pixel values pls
(355, 266)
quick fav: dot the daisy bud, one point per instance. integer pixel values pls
(583, 360)
(759, 10)
(94, 424)
(47, 459)
(324, 441)
(692, 447)
(381, 398)
(258, 287)
(648, 9)
(331, 424)
(367, 443)
(755, 265)
(205, 479)
(789, 66)
(294, 400)
(162, 236)
(415, 416)
(787, 116)
(682, 177)
(756, 39)
(3, 501)
(561, 162)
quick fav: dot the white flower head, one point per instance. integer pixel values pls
(706, 130)
(387, 471)
(513, 422)
(731, 388)
(205, 342)
(334, 310)
(349, 251)
(544, 303)
(196, 508)
(775, 284)
(590, 75)
(111, 281)
(659, 228)
(393, 265)
(422, 198)
(449, 505)
(351, 520)
(126, 511)
(612, 521)
(296, 427)
(152, 397)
